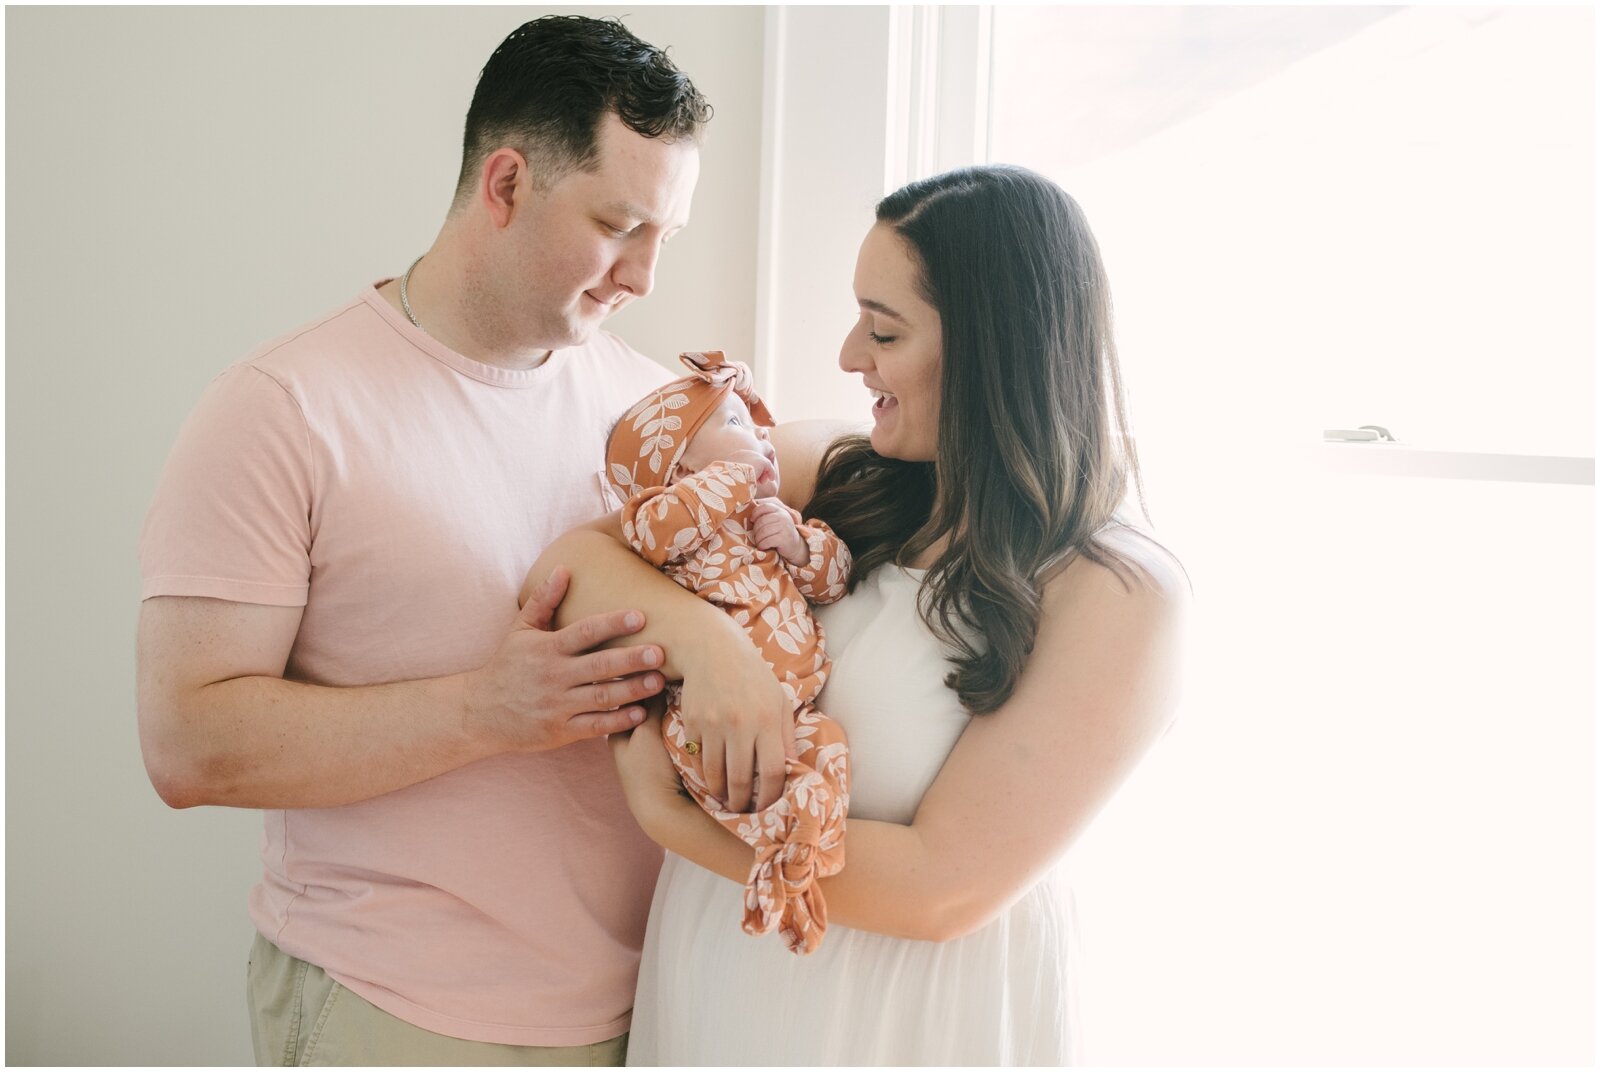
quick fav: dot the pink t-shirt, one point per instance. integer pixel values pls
(399, 492)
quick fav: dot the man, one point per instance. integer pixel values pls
(330, 628)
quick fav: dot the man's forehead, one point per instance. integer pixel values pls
(633, 209)
(644, 178)
(662, 199)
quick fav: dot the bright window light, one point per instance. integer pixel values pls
(1370, 837)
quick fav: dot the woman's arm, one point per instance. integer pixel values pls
(1019, 787)
(732, 703)
(800, 446)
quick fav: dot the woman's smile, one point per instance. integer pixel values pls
(897, 347)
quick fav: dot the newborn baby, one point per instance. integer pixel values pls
(699, 478)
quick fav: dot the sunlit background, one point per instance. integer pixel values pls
(1370, 837)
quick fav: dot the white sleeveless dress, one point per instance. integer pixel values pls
(709, 994)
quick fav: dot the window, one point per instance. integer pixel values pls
(1328, 217)
(1369, 839)
(1321, 218)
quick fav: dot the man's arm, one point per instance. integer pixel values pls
(218, 724)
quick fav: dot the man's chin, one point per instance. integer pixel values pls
(584, 326)
(577, 332)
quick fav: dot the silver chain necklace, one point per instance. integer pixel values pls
(405, 302)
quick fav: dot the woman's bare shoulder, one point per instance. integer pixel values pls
(800, 446)
(1141, 573)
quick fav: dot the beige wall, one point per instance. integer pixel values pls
(183, 183)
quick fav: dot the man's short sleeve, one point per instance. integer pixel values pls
(231, 517)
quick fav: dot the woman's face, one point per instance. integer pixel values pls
(897, 347)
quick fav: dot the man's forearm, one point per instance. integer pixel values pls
(263, 742)
(219, 725)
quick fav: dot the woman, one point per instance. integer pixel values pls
(1006, 655)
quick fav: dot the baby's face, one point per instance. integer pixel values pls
(730, 435)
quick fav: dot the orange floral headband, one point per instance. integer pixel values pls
(648, 442)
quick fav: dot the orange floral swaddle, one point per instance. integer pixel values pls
(696, 528)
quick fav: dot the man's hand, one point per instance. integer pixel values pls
(738, 712)
(732, 703)
(775, 527)
(545, 688)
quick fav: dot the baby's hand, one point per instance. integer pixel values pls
(772, 526)
(757, 462)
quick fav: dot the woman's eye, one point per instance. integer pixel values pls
(879, 339)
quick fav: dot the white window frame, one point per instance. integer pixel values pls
(859, 101)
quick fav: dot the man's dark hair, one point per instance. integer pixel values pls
(546, 88)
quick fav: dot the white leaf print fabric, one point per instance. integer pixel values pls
(800, 838)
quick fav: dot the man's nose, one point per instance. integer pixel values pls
(636, 270)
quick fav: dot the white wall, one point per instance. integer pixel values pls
(183, 183)
(883, 113)
(824, 174)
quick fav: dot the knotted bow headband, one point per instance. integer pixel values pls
(648, 442)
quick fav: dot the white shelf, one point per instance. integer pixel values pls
(1397, 459)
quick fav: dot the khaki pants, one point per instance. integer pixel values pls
(299, 1016)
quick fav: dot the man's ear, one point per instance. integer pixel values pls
(502, 183)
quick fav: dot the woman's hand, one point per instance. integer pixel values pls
(667, 816)
(733, 705)
(649, 780)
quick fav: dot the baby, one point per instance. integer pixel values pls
(692, 463)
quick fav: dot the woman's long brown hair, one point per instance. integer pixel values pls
(1033, 457)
